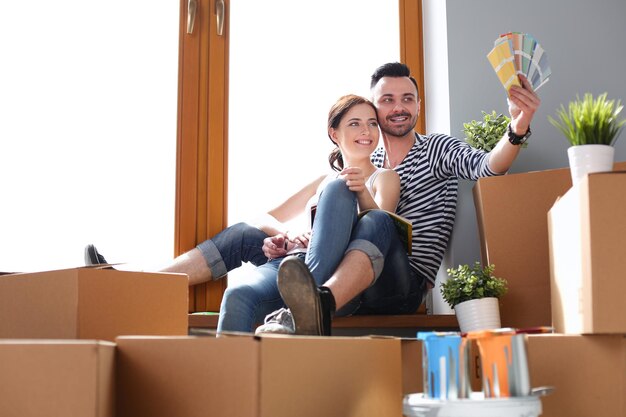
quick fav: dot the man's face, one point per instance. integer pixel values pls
(398, 105)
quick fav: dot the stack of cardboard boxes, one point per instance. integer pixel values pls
(245, 376)
(102, 343)
(563, 251)
(57, 332)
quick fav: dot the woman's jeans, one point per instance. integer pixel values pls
(396, 289)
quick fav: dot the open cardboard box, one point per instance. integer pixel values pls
(92, 303)
(56, 378)
(587, 229)
(512, 213)
(247, 376)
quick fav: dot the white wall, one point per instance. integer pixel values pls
(585, 45)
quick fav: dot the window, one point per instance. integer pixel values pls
(87, 131)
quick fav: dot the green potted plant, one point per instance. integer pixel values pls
(485, 134)
(473, 293)
(591, 125)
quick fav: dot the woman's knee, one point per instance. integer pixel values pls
(337, 198)
(337, 188)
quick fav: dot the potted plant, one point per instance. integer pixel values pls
(592, 127)
(473, 293)
(487, 133)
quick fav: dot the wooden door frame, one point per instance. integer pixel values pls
(412, 49)
(202, 140)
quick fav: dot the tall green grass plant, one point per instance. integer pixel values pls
(590, 121)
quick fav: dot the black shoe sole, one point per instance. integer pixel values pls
(92, 257)
(299, 292)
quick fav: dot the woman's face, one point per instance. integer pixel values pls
(357, 133)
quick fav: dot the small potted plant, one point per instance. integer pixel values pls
(487, 133)
(473, 293)
(591, 126)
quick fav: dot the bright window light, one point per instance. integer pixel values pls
(88, 98)
(288, 65)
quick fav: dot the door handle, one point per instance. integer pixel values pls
(192, 6)
(219, 14)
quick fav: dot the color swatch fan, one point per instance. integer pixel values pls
(519, 53)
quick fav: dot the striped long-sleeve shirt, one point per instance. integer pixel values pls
(429, 179)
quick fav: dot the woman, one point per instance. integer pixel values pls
(353, 128)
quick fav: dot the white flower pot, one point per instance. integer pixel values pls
(479, 314)
(586, 159)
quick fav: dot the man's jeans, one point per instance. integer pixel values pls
(336, 230)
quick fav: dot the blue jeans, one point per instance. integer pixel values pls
(336, 231)
(231, 247)
(397, 288)
(247, 302)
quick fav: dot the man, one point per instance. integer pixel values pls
(429, 168)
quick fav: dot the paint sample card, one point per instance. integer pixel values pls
(517, 53)
(501, 60)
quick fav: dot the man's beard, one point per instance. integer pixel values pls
(399, 130)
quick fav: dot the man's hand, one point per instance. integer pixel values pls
(278, 245)
(523, 103)
(274, 246)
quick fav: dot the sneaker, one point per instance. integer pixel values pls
(92, 257)
(280, 321)
(311, 307)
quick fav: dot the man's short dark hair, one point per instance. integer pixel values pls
(392, 69)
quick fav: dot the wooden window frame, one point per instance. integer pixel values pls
(412, 49)
(202, 141)
(202, 129)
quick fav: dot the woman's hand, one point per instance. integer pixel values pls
(301, 241)
(354, 179)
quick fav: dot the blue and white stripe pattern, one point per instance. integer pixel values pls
(429, 178)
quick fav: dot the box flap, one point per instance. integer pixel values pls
(105, 385)
(604, 205)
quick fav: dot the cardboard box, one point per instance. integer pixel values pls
(56, 378)
(511, 211)
(587, 230)
(588, 373)
(244, 376)
(89, 303)
(513, 228)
